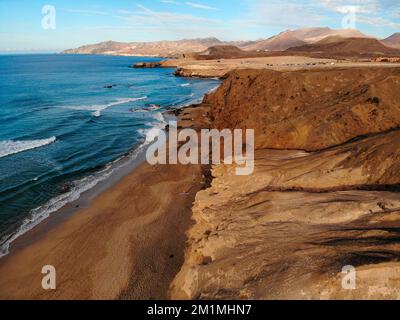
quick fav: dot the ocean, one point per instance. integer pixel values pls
(68, 121)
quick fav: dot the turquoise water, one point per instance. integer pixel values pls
(66, 121)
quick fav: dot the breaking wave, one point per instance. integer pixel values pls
(10, 147)
(98, 108)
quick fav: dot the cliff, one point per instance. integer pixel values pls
(287, 230)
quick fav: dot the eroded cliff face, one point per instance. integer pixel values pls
(308, 110)
(287, 230)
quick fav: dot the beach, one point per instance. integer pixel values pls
(127, 241)
(127, 244)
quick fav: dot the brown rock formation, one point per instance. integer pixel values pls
(146, 65)
(287, 230)
(225, 52)
(308, 110)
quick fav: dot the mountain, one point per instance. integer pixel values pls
(299, 37)
(312, 35)
(99, 48)
(339, 47)
(158, 48)
(224, 52)
(280, 42)
(393, 40)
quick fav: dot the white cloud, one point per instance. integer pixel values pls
(200, 6)
(364, 6)
(146, 16)
(288, 14)
(369, 12)
(87, 12)
(378, 22)
(170, 1)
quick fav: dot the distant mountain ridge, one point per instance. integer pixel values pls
(339, 47)
(281, 42)
(393, 40)
(295, 38)
(157, 48)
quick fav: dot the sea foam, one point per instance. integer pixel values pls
(80, 186)
(98, 108)
(10, 147)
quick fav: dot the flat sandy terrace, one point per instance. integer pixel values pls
(219, 68)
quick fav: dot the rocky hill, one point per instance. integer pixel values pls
(339, 47)
(158, 48)
(224, 52)
(299, 37)
(393, 40)
(324, 193)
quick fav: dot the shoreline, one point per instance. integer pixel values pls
(119, 168)
(133, 226)
(71, 208)
(37, 239)
(106, 177)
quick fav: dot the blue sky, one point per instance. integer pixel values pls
(80, 22)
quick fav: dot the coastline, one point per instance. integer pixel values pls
(137, 240)
(126, 240)
(171, 210)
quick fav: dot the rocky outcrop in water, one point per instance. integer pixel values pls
(146, 65)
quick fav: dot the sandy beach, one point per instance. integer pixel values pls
(128, 244)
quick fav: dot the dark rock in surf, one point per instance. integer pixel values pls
(146, 65)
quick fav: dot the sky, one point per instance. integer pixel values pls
(55, 25)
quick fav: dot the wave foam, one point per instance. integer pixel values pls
(41, 213)
(98, 108)
(156, 127)
(10, 147)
